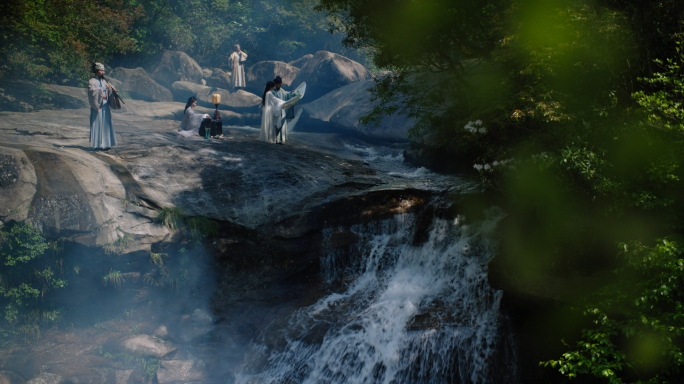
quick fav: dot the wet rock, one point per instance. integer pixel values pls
(145, 346)
(299, 63)
(343, 107)
(185, 369)
(46, 378)
(121, 377)
(182, 90)
(168, 67)
(161, 332)
(219, 79)
(91, 376)
(193, 327)
(140, 85)
(17, 184)
(327, 71)
(264, 71)
(9, 377)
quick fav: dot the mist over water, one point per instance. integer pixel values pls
(402, 313)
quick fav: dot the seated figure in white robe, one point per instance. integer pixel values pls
(192, 120)
(102, 135)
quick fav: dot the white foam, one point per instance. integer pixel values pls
(371, 332)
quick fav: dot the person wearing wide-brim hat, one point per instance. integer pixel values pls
(102, 135)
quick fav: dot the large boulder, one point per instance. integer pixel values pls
(168, 67)
(327, 71)
(301, 61)
(182, 90)
(343, 107)
(206, 72)
(239, 99)
(69, 97)
(145, 346)
(219, 79)
(264, 71)
(140, 85)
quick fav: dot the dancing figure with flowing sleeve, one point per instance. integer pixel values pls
(273, 122)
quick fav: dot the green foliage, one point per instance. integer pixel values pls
(639, 321)
(26, 277)
(114, 278)
(53, 40)
(198, 227)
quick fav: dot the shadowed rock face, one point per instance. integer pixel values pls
(219, 79)
(264, 71)
(299, 63)
(182, 90)
(168, 67)
(140, 85)
(343, 107)
(326, 71)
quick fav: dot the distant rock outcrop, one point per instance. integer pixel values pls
(182, 90)
(219, 79)
(168, 67)
(344, 106)
(140, 85)
(264, 71)
(301, 61)
(239, 99)
(327, 71)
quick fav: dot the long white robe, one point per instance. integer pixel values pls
(191, 123)
(238, 70)
(102, 133)
(285, 96)
(273, 118)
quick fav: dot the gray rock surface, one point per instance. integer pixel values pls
(17, 184)
(140, 85)
(71, 97)
(9, 377)
(326, 71)
(168, 67)
(219, 79)
(343, 107)
(46, 378)
(190, 370)
(206, 72)
(264, 71)
(239, 99)
(299, 63)
(182, 90)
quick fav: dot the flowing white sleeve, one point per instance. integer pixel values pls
(243, 56)
(275, 103)
(94, 94)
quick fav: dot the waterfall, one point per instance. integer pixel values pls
(398, 313)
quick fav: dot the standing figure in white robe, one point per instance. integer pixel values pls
(283, 95)
(192, 120)
(238, 70)
(102, 135)
(273, 122)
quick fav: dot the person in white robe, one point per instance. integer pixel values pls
(238, 69)
(274, 125)
(192, 120)
(102, 135)
(283, 95)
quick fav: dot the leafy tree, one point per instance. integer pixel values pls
(26, 276)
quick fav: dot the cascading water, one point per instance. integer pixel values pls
(407, 314)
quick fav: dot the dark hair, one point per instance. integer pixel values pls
(191, 100)
(278, 80)
(269, 85)
(92, 67)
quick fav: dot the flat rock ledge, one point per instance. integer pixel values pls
(52, 179)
